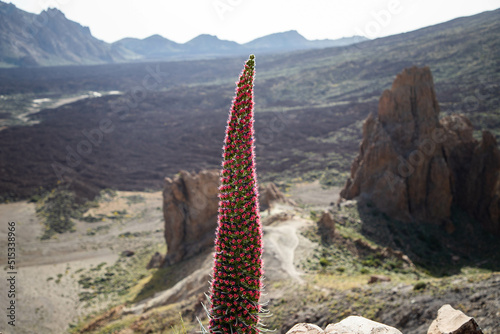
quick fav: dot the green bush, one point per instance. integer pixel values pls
(371, 261)
(419, 286)
(34, 198)
(57, 208)
(394, 264)
(98, 229)
(91, 219)
(134, 199)
(324, 262)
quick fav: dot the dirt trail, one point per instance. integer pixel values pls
(280, 244)
(284, 248)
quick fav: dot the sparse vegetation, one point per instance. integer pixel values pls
(335, 284)
(113, 283)
(134, 199)
(324, 262)
(57, 209)
(419, 286)
(98, 230)
(339, 88)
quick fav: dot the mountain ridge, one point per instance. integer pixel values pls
(205, 44)
(50, 39)
(339, 85)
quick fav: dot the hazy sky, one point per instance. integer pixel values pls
(244, 20)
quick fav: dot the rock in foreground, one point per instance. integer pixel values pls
(448, 321)
(360, 325)
(350, 325)
(451, 321)
(305, 328)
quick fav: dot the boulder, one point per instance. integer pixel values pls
(412, 166)
(303, 328)
(155, 261)
(359, 325)
(128, 253)
(190, 208)
(451, 321)
(326, 227)
(269, 194)
(378, 278)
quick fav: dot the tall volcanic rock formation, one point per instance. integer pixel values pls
(401, 166)
(413, 166)
(475, 171)
(190, 205)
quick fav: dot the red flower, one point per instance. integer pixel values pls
(238, 202)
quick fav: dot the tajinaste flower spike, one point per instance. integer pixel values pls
(237, 273)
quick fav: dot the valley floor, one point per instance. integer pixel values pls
(49, 270)
(63, 280)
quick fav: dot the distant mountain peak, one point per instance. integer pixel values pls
(53, 12)
(206, 44)
(292, 40)
(205, 37)
(157, 38)
(6, 5)
(284, 34)
(289, 32)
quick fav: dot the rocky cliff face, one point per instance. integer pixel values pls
(475, 171)
(48, 38)
(190, 208)
(413, 166)
(190, 205)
